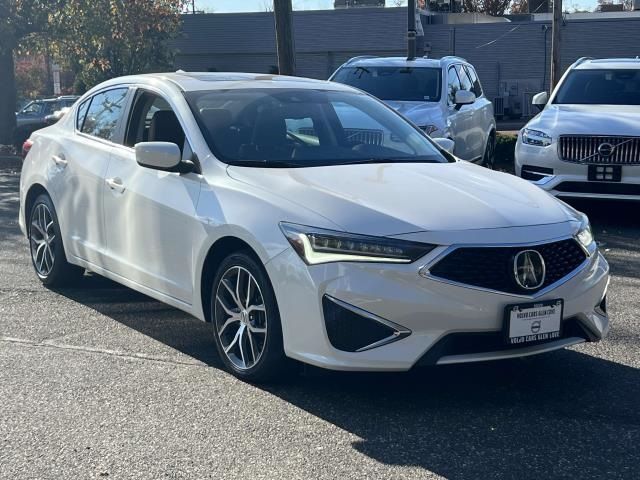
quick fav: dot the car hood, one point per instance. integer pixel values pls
(620, 120)
(399, 198)
(420, 113)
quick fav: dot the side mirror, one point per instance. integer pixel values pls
(540, 100)
(158, 155)
(464, 97)
(446, 144)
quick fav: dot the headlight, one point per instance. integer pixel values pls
(535, 137)
(316, 246)
(585, 236)
(429, 129)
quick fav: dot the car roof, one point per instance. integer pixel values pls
(402, 62)
(199, 81)
(609, 63)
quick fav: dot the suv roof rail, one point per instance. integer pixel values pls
(582, 60)
(453, 57)
(360, 57)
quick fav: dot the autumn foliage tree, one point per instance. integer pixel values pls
(101, 39)
(97, 39)
(20, 20)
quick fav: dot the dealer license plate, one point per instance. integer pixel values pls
(533, 322)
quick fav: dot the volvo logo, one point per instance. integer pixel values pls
(529, 269)
(605, 149)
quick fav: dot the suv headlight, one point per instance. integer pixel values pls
(535, 137)
(585, 236)
(315, 245)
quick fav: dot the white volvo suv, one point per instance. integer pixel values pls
(443, 97)
(244, 200)
(586, 140)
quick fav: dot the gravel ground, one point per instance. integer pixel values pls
(104, 382)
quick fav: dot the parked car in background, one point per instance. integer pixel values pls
(55, 116)
(586, 140)
(244, 200)
(32, 116)
(443, 97)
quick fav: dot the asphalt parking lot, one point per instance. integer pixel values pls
(102, 382)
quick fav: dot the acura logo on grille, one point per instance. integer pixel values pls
(529, 269)
(606, 149)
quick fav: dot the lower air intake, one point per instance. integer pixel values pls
(351, 331)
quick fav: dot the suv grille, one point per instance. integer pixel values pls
(492, 267)
(626, 150)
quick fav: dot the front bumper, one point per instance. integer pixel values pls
(569, 179)
(430, 309)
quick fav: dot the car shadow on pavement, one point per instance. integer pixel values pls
(560, 415)
(150, 317)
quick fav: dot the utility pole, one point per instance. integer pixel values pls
(411, 29)
(284, 37)
(555, 43)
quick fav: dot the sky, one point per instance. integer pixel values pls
(225, 6)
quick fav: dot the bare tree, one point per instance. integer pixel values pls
(267, 5)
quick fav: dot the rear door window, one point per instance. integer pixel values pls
(104, 113)
(465, 81)
(453, 85)
(477, 88)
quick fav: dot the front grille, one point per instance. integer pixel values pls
(492, 267)
(354, 135)
(468, 343)
(602, 188)
(368, 136)
(579, 149)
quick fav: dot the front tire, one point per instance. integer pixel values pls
(246, 321)
(47, 251)
(489, 158)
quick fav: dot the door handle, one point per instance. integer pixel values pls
(59, 160)
(115, 184)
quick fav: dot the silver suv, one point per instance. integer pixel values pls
(443, 97)
(586, 140)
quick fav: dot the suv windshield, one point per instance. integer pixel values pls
(305, 128)
(600, 87)
(394, 83)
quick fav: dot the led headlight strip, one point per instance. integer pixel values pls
(315, 245)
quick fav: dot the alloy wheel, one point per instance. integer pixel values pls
(240, 317)
(43, 239)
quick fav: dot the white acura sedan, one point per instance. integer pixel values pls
(244, 200)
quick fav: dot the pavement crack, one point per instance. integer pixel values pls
(100, 351)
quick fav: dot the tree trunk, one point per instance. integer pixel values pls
(7, 97)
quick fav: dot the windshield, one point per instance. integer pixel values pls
(394, 83)
(600, 87)
(305, 128)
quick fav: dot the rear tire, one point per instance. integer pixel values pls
(246, 320)
(47, 251)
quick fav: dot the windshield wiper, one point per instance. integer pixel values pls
(263, 163)
(387, 160)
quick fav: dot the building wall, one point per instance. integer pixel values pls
(510, 57)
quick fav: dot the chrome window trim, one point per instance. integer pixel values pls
(425, 272)
(399, 333)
